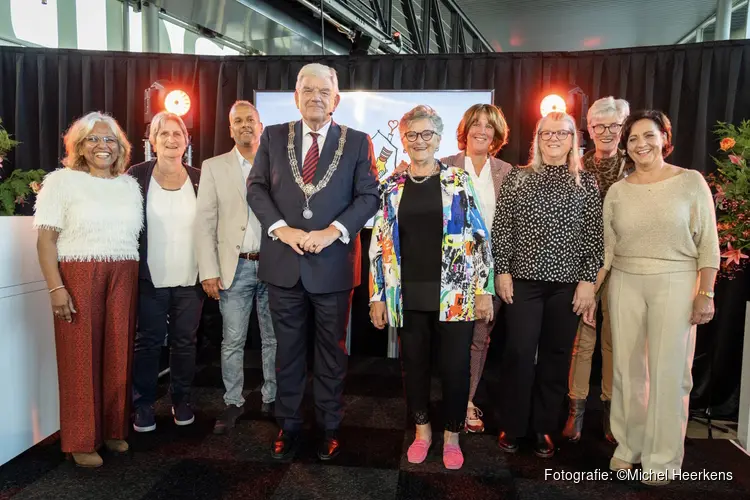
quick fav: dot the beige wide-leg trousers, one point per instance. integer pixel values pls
(653, 344)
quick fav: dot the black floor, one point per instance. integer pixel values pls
(191, 462)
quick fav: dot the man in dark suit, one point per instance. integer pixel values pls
(312, 199)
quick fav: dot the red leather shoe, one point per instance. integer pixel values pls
(284, 445)
(330, 446)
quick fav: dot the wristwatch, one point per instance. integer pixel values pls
(710, 295)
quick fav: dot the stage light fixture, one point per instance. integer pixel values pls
(164, 95)
(552, 103)
(177, 102)
(575, 103)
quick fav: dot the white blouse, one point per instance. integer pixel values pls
(485, 188)
(98, 219)
(171, 249)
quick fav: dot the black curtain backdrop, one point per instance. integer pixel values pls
(42, 91)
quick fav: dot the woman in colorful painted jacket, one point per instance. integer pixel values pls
(431, 277)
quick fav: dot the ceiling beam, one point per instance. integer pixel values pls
(440, 31)
(696, 33)
(482, 41)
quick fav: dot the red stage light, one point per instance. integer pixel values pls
(552, 103)
(177, 102)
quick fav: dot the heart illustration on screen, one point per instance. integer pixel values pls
(393, 124)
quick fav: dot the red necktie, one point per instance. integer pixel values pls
(311, 160)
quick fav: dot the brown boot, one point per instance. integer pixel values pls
(116, 445)
(573, 426)
(606, 406)
(87, 459)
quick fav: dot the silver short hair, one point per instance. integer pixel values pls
(420, 112)
(239, 104)
(158, 122)
(608, 107)
(320, 71)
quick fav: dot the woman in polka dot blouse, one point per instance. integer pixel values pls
(548, 247)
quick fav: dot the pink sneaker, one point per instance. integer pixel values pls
(453, 458)
(417, 452)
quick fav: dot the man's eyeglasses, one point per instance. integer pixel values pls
(546, 135)
(613, 128)
(426, 135)
(95, 139)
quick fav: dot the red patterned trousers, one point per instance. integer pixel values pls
(95, 352)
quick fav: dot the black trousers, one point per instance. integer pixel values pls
(419, 331)
(540, 322)
(176, 310)
(289, 312)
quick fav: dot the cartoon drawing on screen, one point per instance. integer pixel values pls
(386, 150)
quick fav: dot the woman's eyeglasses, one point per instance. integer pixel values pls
(95, 139)
(426, 135)
(613, 128)
(546, 135)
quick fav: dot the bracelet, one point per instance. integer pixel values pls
(710, 295)
(57, 288)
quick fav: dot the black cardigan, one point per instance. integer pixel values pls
(142, 173)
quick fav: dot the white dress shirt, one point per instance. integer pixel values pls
(171, 249)
(306, 145)
(485, 188)
(251, 242)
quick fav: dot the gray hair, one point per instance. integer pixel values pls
(239, 104)
(608, 107)
(420, 112)
(320, 71)
(158, 122)
(536, 162)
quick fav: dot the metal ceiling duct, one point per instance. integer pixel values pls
(255, 24)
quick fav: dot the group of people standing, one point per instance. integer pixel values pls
(130, 254)
(461, 240)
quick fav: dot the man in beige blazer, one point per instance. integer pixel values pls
(228, 244)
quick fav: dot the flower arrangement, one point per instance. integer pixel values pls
(731, 185)
(20, 184)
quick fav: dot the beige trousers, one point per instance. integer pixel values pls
(653, 345)
(583, 350)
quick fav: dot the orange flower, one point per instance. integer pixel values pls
(35, 186)
(727, 143)
(733, 256)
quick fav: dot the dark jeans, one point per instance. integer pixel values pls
(540, 323)
(419, 331)
(176, 310)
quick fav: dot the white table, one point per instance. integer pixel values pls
(28, 366)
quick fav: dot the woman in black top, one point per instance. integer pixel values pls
(431, 271)
(548, 247)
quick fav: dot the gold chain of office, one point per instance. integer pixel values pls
(310, 189)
